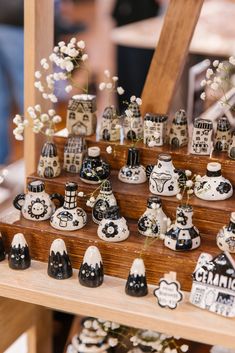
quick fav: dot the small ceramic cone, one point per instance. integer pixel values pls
(19, 257)
(2, 249)
(59, 265)
(136, 285)
(91, 269)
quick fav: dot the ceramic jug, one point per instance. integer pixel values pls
(49, 164)
(104, 200)
(94, 170)
(133, 172)
(226, 236)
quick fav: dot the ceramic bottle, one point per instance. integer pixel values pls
(19, 256)
(136, 285)
(113, 227)
(213, 186)
(69, 217)
(2, 249)
(74, 152)
(133, 172)
(223, 136)
(49, 164)
(109, 128)
(133, 126)
(37, 205)
(91, 273)
(94, 170)
(179, 130)
(59, 265)
(183, 235)
(226, 236)
(202, 137)
(153, 222)
(155, 129)
(231, 150)
(104, 200)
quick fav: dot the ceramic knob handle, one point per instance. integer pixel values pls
(16, 202)
(58, 197)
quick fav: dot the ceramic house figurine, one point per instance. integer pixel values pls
(213, 286)
(69, 217)
(74, 152)
(202, 137)
(94, 169)
(91, 272)
(213, 186)
(2, 249)
(155, 129)
(133, 126)
(18, 256)
(133, 172)
(153, 222)
(59, 265)
(223, 136)
(109, 128)
(49, 164)
(231, 150)
(37, 205)
(113, 227)
(81, 115)
(183, 235)
(136, 285)
(104, 200)
(179, 130)
(226, 236)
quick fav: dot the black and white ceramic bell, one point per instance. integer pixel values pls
(136, 285)
(91, 272)
(213, 186)
(104, 200)
(133, 172)
(223, 136)
(69, 217)
(113, 227)
(74, 152)
(226, 237)
(94, 170)
(19, 256)
(37, 205)
(2, 249)
(59, 265)
(179, 130)
(49, 164)
(183, 235)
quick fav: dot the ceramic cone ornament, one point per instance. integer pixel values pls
(2, 249)
(19, 257)
(91, 271)
(59, 265)
(136, 284)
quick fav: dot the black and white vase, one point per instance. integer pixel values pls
(223, 136)
(136, 285)
(179, 130)
(19, 256)
(74, 151)
(113, 227)
(231, 150)
(49, 164)
(91, 272)
(69, 217)
(2, 249)
(104, 200)
(133, 172)
(94, 170)
(202, 137)
(226, 237)
(110, 125)
(155, 129)
(59, 265)
(183, 235)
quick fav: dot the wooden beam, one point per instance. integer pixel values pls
(170, 55)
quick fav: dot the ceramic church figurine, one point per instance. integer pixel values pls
(155, 129)
(113, 227)
(94, 169)
(74, 151)
(91, 272)
(104, 200)
(69, 217)
(133, 125)
(136, 285)
(179, 130)
(18, 256)
(153, 222)
(59, 265)
(226, 236)
(183, 235)
(213, 186)
(133, 172)
(223, 136)
(202, 137)
(2, 249)
(37, 205)
(49, 164)
(109, 128)
(231, 150)
(81, 115)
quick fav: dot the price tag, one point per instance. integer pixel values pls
(168, 292)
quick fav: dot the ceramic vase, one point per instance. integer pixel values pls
(155, 129)
(153, 222)
(179, 130)
(103, 202)
(202, 137)
(110, 125)
(37, 205)
(133, 172)
(133, 126)
(226, 236)
(74, 152)
(213, 186)
(2, 249)
(183, 235)
(91, 273)
(69, 217)
(113, 227)
(136, 285)
(94, 170)
(223, 136)
(59, 265)
(49, 164)
(19, 256)
(81, 115)
(231, 150)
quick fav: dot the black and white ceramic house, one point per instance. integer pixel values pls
(59, 265)
(49, 164)
(74, 151)
(19, 256)
(202, 137)
(91, 270)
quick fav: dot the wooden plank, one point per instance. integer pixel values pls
(170, 55)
